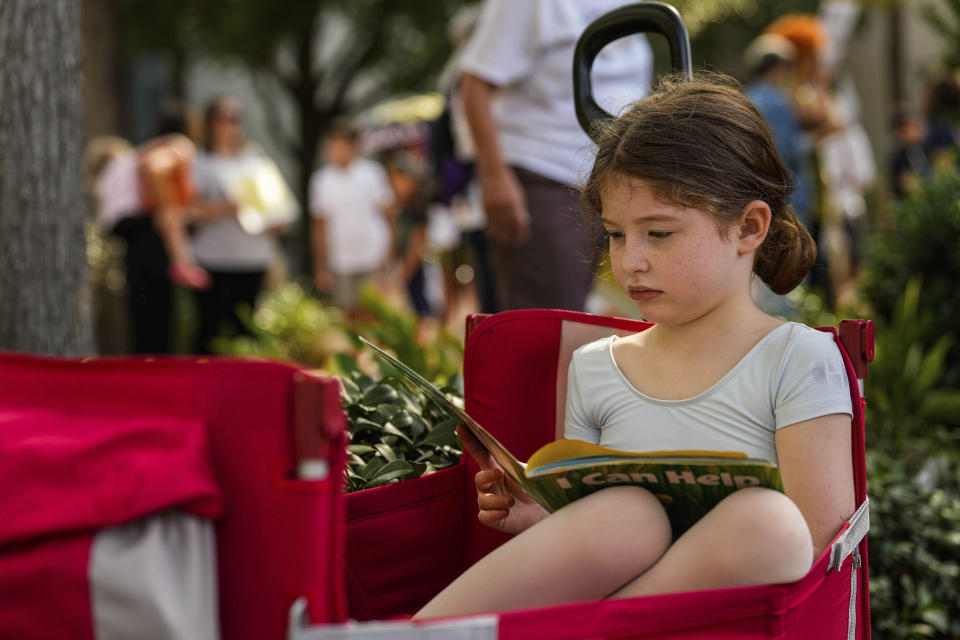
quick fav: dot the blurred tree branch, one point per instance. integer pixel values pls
(330, 57)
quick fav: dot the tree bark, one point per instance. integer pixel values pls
(44, 289)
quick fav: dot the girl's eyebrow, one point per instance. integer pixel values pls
(655, 217)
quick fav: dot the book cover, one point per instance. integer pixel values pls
(688, 483)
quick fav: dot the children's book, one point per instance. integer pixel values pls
(688, 483)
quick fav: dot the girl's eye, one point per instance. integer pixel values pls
(661, 234)
(615, 235)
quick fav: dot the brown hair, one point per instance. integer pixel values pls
(703, 145)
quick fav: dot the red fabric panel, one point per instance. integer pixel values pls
(744, 614)
(279, 538)
(44, 589)
(858, 448)
(405, 542)
(69, 471)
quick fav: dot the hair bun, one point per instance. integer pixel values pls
(787, 254)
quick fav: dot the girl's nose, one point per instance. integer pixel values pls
(635, 258)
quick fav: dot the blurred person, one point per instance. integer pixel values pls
(406, 175)
(352, 208)
(249, 205)
(811, 91)
(909, 161)
(941, 140)
(770, 59)
(144, 195)
(847, 169)
(517, 93)
(453, 154)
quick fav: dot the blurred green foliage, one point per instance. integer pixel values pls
(913, 470)
(920, 240)
(915, 538)
(396, 432)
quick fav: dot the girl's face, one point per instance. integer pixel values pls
(677, 264)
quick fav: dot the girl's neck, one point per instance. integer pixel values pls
(738, 318)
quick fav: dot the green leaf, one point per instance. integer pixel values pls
(393, 470)
(380, 394)
(386, 452)
(389, 428)
(443, 434)
(372, 468)
(360, 449)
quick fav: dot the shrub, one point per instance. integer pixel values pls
(915, 539)
(396, 432)
(920, 239)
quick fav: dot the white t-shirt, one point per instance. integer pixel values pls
(118, 190)
(526, 49)
(222, 244)
(793, 374)
(352, 201)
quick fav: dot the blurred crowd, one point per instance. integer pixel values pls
(474, 206)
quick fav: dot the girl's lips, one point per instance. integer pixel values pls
(642, 293)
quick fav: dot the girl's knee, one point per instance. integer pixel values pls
(771, 533)
(627, 524)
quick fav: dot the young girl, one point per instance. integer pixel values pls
(690, 190)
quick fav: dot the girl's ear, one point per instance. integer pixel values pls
(754, 223)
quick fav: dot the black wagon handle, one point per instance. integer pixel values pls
(643, 17)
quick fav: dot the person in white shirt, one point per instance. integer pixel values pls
(351, 203)
(517, 92)
(236, 253)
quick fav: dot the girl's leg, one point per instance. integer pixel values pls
(584, 551)
(755, 536)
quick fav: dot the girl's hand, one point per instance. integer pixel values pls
(504, 506)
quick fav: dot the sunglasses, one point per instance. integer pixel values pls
(234, 118)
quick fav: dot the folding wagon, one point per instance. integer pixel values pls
(177, 498)
(407, 541)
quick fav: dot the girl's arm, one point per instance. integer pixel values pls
(817, 469)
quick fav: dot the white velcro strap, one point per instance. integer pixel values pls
(849, 540)
(467, 628)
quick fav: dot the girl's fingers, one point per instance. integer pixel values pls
(490, 518)
(475, 448)
(494, 502)
(488, 479)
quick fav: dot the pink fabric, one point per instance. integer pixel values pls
(44, 590)
(405, 542)
(137, 435)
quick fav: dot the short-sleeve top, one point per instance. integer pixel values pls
(526, 49)
(222, 244)
(352, 200)
(793, 374)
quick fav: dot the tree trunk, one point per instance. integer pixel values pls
(43, 266)
(895, 55)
